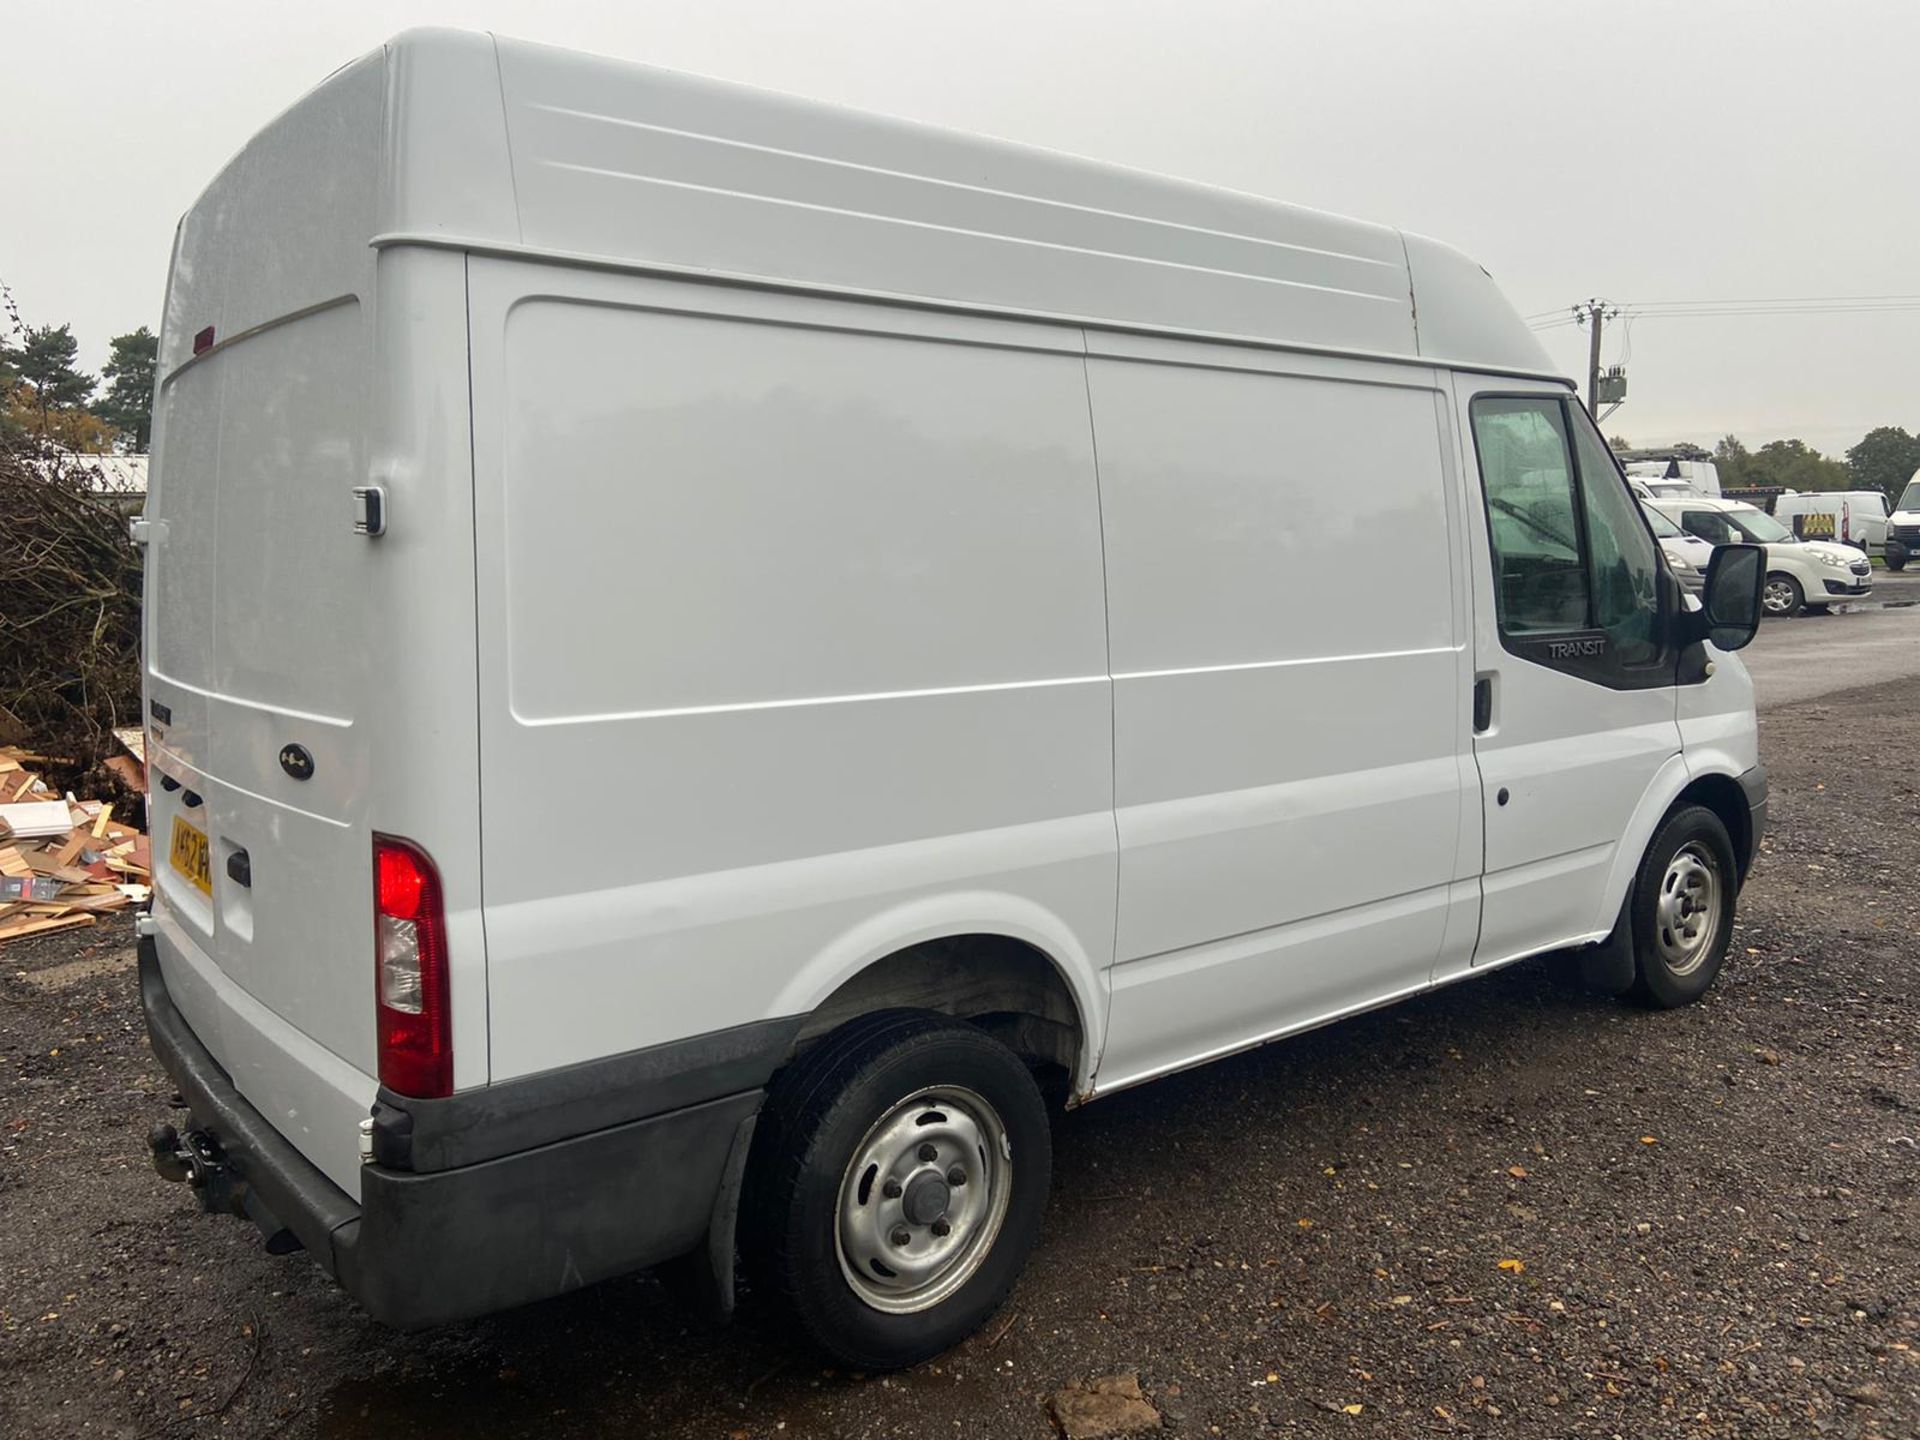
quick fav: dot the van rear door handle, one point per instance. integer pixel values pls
(1482, 704)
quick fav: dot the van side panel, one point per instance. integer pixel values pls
(807, 598)
(1287, 630)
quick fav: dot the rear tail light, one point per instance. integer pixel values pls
(410, 971)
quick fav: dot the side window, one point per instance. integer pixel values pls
(1622, 560)
(1708, 525)
(1533, 517)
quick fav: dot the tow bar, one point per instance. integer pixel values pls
(196, 1159)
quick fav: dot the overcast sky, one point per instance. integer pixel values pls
(1640, 150)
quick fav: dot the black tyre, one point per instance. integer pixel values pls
(1900, 564)
(1681, 908)
(896, 1186)
(1782, 597)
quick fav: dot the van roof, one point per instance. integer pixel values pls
(1702, 502)
(501, 146)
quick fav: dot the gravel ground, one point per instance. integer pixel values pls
(1712, 1212)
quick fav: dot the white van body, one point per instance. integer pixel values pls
(1701, 476)
(1903, 526)
(1802, 574)
(780, 564)
(1850, 517)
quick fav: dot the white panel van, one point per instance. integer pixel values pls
(1848, 517)
(1903, 526)
(706, 652)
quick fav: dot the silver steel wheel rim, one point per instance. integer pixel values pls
(1777, 597)
(923, 1199)
(1687, 915)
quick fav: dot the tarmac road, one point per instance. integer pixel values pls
(1871, 643)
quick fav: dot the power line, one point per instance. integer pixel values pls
(1785, 305)
(1647, 312)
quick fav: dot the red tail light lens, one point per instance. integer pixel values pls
(410, 971)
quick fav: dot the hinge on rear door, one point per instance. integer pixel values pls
(369, 510)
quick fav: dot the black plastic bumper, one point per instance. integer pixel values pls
(1754, 785)
(424, 1249)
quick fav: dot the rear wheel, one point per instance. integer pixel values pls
(1682, 908)
(896, 1187)
(1782, 596)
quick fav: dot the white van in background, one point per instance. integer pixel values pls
(1700, 476)
(1903, 527)
(901, 535)
(1688, 556)
(1851, 517)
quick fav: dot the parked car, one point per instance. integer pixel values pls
(1801, 574)
(1852, 517)
(907, 533)
(1903, 527)
(1687, 555)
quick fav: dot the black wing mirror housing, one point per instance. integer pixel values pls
(1729, 614)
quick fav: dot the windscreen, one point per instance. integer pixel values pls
(1910, 499)
(1758, 526)
(1663, 528)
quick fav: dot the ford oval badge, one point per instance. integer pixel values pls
(297, 761)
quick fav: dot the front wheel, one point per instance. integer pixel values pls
(896, 1186)
(1783, 596)
(1893, 564)
(1681, 908)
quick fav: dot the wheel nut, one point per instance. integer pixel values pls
(941, 1227)
(956, 1177)
(929, 1154)
(901, 1236)
(891, 1189)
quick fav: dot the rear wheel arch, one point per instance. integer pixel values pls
(1009, 987)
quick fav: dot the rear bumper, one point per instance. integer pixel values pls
(421, 1249)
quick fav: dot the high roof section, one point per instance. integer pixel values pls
(508, 146)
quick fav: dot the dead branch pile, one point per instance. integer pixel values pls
(69, 606)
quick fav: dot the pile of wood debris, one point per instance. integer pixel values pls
(62, 861)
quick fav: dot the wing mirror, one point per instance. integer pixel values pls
(1730, 599)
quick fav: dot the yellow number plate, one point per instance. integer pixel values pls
(189, 856)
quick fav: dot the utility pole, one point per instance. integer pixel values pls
(1594, 313)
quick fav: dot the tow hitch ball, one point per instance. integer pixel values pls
(195, 1159)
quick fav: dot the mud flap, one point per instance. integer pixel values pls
(1609, 967)
(703, 1278)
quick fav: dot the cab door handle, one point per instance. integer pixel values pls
(1482, 704)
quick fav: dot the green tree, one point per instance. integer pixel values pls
(44, 359)
(128, 403)
(1884, 460)
(1785, 464)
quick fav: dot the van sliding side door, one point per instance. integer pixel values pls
(1574, 697)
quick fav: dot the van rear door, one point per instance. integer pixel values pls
(256, 678)
(258, 613)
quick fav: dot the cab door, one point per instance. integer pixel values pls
(1575, 707)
